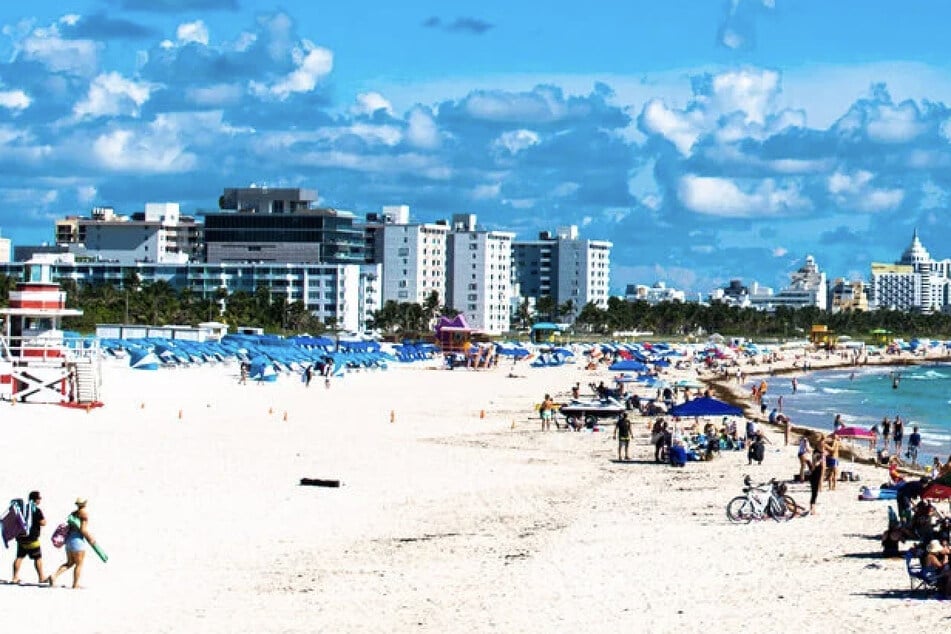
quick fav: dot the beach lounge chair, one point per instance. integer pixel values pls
(920, 578)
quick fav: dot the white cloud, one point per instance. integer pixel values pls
(383, 134)
(192, 32)
(14, 100)
(151, 151)
(313, 63)
(895, 124)
(542, 104)
(679, 127)
(370, 102)
(779, 252)
(421, 130)
(723, 197)
(78, 57)
(487, 192)
(112, 94)
(750, 91)
(514, 141)
(856, 191)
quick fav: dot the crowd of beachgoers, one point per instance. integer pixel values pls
(453, 509)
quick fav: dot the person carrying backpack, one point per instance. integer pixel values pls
(28, 543)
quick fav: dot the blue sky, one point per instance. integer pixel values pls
(707, 139)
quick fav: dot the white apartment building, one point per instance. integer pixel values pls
(159, 234)
(915, 282)
(480, 274)
(414, 262)
(5, 250)
(807, 287)
(566, 268)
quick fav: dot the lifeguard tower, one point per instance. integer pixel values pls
(545, 332)
(37, 365)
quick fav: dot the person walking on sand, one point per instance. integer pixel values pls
(76, 540)
(622, 432)
(886, 433)
(28, 544)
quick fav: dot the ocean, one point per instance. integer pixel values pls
(864, 395)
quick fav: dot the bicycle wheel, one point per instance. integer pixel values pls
(797, 511)
(740, 510)
(779, 510)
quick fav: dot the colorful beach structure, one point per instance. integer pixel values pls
(38, 362)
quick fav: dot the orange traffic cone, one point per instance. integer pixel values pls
(179, 414)
(392, 416)
(481, 413)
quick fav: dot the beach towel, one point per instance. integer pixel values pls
(13, 522)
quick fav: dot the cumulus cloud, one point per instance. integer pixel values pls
(112, 94)
(312, 63)
(192, 32)
(370, 102)
(856, 191)
(421, 131)
(73, 56)
(514, 141)
(14, 100)
(725, 197)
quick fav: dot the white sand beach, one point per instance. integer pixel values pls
(446, 521)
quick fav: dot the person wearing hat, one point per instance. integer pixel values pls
(76, 540)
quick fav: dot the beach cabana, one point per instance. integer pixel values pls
(705, 406)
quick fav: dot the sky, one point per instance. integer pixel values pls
(708, 140)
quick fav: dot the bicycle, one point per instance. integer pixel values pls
(761, 501)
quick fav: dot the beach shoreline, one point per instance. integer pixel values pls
(455, 512)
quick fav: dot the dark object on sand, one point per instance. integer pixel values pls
(315, 482)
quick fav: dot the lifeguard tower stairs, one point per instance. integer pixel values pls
(37, 364)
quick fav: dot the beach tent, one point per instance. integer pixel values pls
(142, 359)
(627, 366)
(705, 406)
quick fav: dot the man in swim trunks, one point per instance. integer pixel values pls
(832, 461)
(28, 544)
(622, 432)
(546, 411)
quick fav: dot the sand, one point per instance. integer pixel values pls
(446, 520)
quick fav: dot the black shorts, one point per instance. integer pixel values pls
(32, 553)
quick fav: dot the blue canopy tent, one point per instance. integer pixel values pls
(705, 406)
(630, 365)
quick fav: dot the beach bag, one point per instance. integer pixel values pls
(59, 535)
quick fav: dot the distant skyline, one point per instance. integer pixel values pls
(707, 140)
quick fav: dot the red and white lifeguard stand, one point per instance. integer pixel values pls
(36, 364)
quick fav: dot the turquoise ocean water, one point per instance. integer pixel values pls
(864, 395)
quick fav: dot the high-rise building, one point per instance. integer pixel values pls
(847, 295)
(564, 267)
(915, 282)
(480, 274)
(159, 234)
(280, 225)
(414, 262)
